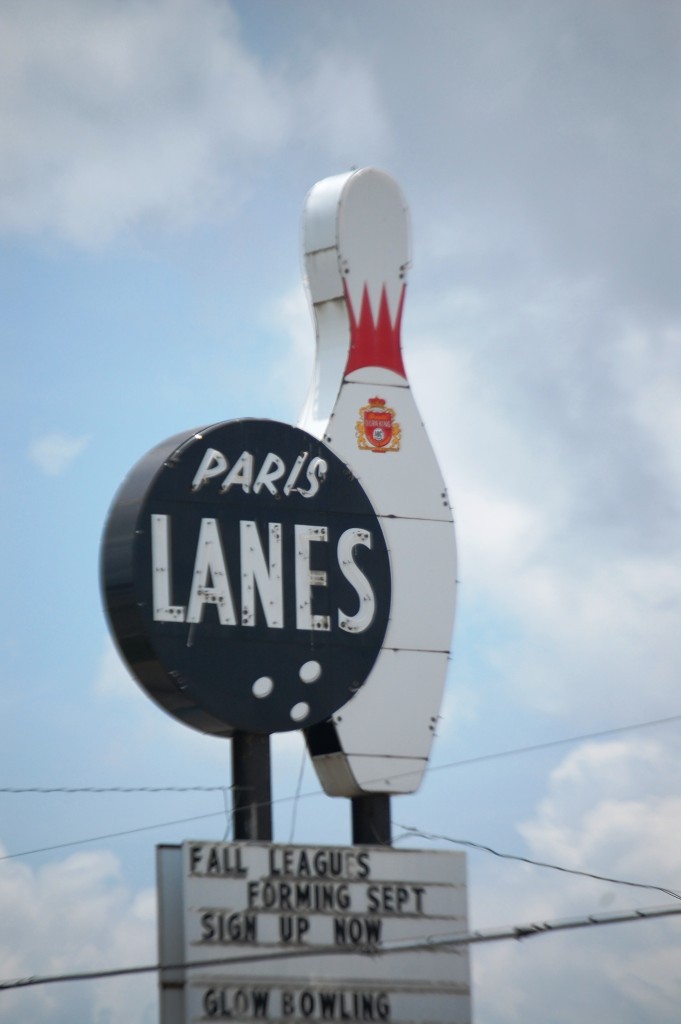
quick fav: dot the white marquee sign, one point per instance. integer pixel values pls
(335, 909)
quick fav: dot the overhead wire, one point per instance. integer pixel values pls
(477, 759)
(512, 932)
(409, 830)
(297, 796)
(415, 832)
(229, 814)
(548, 744)
(112, 835)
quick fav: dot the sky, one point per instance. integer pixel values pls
(154, 160)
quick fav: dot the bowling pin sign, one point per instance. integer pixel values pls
(356, 242)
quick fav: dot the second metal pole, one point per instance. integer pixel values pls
(371, 825)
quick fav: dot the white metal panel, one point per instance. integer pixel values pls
(231, 917)
(316, 1002)
(406, 482)
(211, 860)
(322, 273)
(359, 208)
(376, 376)
(423, 564)
(343, 774)
(321, 212)
(335, 775)
(408, 679)
(373, 237)
(332, 322)
(413, 681)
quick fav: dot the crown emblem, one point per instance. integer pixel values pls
(377, 429)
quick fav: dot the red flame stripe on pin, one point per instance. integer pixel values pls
(375, 342)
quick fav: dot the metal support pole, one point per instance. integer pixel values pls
(252, 786)
(371, 825)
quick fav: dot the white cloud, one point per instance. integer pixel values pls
(54, 453)
(339, 106)
(616, 974)
(112, 113)
(562, 464)
(290, 374)
(648, 366)
(141, 723)
(460, 707)
(610, 636)
(112, 679)
(611, 809)
(613, 804)
(146, 723)
(75, 915)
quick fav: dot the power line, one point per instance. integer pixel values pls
(514, 932)
(411, 831)
(110, 789)
(547, 745)
(296, 798)
(316, 793)
(492, 756)
(112, 835)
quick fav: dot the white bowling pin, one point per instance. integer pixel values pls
(356, 255)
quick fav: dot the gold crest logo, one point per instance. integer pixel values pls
(377, 429)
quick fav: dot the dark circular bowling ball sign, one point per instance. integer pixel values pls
(246, 578)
